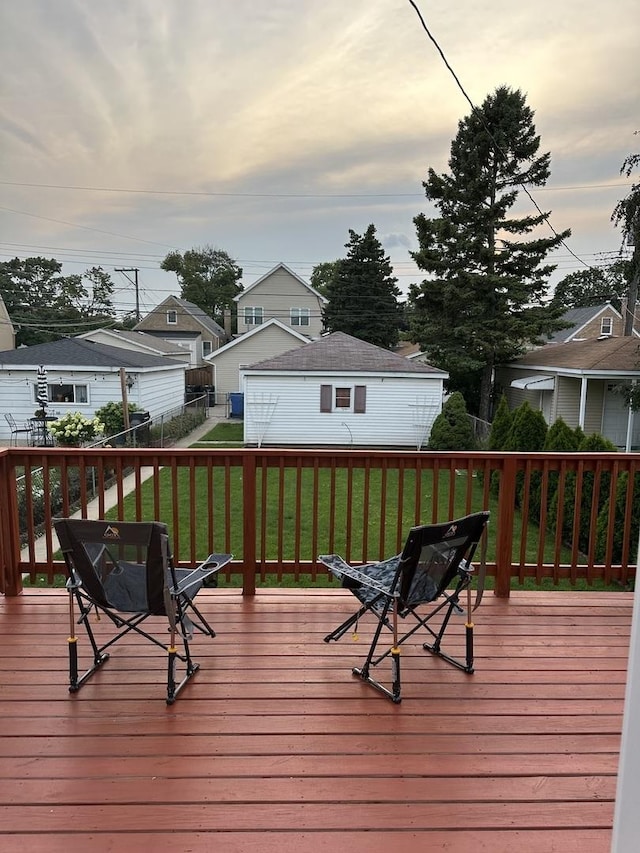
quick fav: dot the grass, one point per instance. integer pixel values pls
(225, 432)
(287, 490)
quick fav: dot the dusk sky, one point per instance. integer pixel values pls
(129, 128)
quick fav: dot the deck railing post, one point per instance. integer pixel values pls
(249, 497)
(10, 577)
(504, 526)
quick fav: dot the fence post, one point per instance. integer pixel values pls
(249, 497)
(504, 527)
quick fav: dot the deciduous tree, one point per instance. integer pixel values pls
(208, 277)
(44, 304)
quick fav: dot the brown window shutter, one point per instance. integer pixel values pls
(326, 393)
(360, 399)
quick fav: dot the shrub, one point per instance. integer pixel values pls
(621, 503)
(73, 429)
(500, 426)
(112, 416)
(171, 431)
(452, 429)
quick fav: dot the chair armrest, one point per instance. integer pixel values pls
(338, 566)
(210, 566)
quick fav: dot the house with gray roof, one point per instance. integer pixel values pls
(580, 382)
(178, 321)
(82, 376)
(339, 390)
(589, 323)
(138, 342)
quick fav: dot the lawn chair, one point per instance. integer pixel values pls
(435, 557)
(17, 430)
(125, 571)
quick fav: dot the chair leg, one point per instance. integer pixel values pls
(99, 657)
(363, 672)
(435, 647)
(173, 688)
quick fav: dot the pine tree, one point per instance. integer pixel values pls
(452, 428)
(500, 425)
(485, 294)
(363, 294)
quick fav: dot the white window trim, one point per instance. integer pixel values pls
(608, 321)
(51, 394)
(249, 315)
(172, 317)
(300, 316)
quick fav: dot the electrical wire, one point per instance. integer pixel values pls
(489, 134)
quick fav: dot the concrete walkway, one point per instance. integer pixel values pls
(216, 415)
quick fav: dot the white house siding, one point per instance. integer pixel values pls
(155, 391)
(266, 343)
(276, 295)
(285, 409)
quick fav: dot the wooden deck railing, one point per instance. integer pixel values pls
(561, 516)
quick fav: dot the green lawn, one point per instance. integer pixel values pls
(231, 432)
(288, 489)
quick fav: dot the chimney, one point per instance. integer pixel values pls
(227, 322)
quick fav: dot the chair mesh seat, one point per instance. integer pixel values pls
(125, 570)
(434, 558)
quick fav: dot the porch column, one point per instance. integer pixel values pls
(626, 821)
(583, 402)
(630, 415)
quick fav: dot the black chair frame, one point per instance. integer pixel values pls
(172, 598)
(396, 599)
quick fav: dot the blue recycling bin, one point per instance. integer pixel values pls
(236, 404)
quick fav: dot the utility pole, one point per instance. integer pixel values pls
(633, 239)
(134, 282)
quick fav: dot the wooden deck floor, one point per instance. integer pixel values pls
(275, 746)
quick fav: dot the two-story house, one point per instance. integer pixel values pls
(181, 322)
(277, 313)
(281, 295)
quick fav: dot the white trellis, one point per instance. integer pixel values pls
(260, 408)
(424, 412)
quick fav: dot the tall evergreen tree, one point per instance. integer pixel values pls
(484, 298)
(363, 294)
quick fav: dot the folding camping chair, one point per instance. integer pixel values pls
(435, 557)
(125, 571)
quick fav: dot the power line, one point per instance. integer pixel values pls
(488, 131)
(222, 194)
(84, 227)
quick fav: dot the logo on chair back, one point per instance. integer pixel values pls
(111, 532)
(451, 531)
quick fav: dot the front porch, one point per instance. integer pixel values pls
(274, 746)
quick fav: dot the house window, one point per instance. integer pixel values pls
(65, 393)
(253, 316)
(206, 348)
(606, 326)
(172, 318)
(300, 316)
(342, 398)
